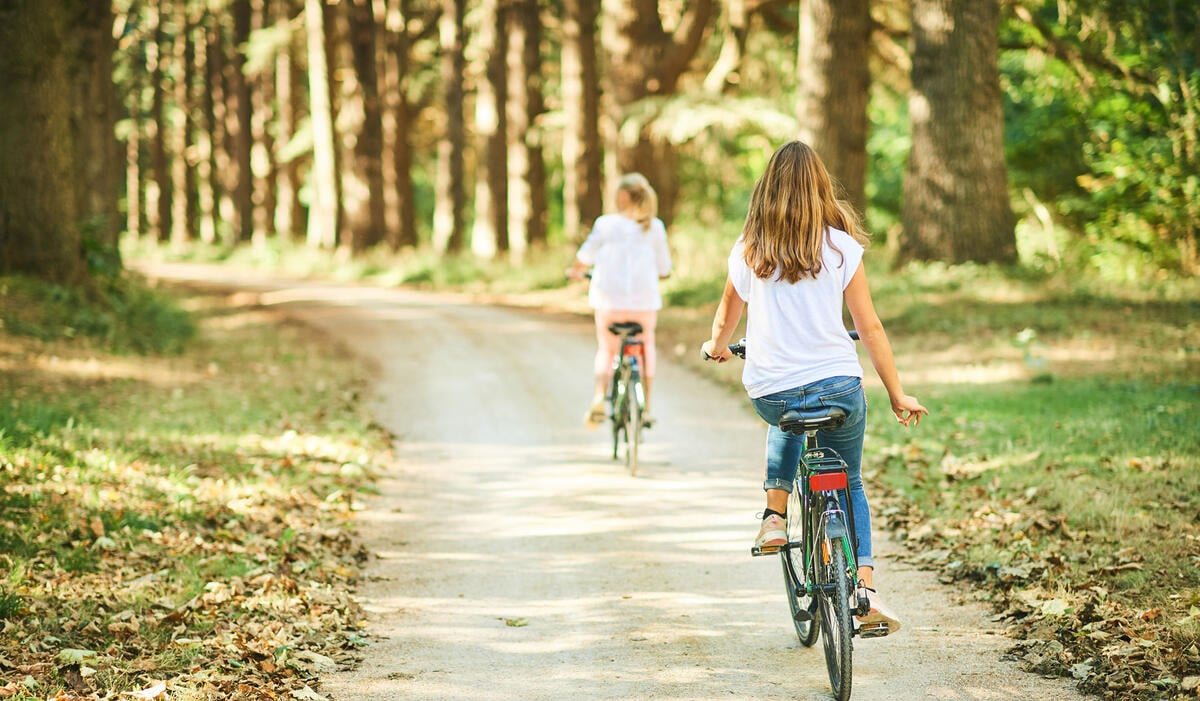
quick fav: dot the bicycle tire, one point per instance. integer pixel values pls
(835, 616)
(795, 575)
(617, 397)
(633, 429)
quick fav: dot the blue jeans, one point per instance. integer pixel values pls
(783, 449)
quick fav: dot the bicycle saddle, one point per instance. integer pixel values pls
(625, 328)
(796, 422)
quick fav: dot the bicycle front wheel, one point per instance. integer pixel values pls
(795, 575)
(834, 604)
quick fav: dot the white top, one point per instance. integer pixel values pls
(795, 333)
(627, 263)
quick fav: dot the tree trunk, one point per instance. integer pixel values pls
(322, 213)
(97, 154)
(526, 169)
(287, 215)
(243, 143)
(645, 61)
(451, 189)
(224, 160)
(363, 182)
(133, 170)
(212, 138)
(956, 205)
(38, 232)
(834, 84)
(399, 44)
(583, 175)
(490, 230)
(158, 190)
(183, 223)
(263, 116)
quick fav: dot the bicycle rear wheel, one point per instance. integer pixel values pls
(836, 624)
(617, 399)
(633, 429)
(795, 576)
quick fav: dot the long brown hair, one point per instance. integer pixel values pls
(792, 206)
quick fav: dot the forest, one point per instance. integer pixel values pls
(1057, 133)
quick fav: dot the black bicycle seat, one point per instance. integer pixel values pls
(797, 422)
(625, 328)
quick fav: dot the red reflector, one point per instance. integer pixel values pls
(825, 481)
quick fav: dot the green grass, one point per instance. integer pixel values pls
(119, 313)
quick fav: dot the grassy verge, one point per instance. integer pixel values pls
(179, 519)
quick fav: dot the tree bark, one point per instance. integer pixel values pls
(526, 168)
(183, 181)
(241, 123)
(489, 234)
(97, 154)
(363, 183)
(834, 86)
(158, 190)
(451, 196)
(403, 112)
(212, 140)
(323, 208)
(38, 212)
(287, 217)
(583, 173)
(956, 203)
(262, 146)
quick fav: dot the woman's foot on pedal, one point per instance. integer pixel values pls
(647, 421)
(772, 535)
(595, 416)
(879, 618)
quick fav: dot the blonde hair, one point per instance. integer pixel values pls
(792, 206)
(643, 200)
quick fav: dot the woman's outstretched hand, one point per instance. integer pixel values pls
(908, 410)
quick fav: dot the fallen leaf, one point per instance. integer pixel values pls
(308, 694)
(150, 692)
(71, 654)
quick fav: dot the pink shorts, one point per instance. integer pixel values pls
(609, 343)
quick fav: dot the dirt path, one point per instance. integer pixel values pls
(515, 560)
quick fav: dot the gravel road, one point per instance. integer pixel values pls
(514, 560)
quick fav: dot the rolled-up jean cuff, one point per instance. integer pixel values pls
(866, 562)
(777, 484)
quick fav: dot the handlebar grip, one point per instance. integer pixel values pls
(853, 334)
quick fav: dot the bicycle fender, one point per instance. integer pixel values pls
(835, 526)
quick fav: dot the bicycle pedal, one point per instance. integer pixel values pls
(873, 630)
(804, 616)
(756, 551)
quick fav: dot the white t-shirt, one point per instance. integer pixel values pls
(795, 333)
(627, 263)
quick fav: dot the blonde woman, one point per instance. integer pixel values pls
(628, 254)
(797, 262)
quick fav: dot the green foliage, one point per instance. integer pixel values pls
(121, 313)
(1102, 128)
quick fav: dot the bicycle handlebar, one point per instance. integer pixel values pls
(739, 348)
